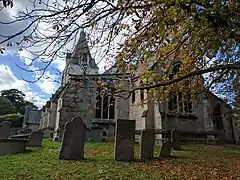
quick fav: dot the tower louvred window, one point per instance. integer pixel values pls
(84, 58)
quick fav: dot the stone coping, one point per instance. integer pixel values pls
(12, 140)
(18, 136)
(96, 127)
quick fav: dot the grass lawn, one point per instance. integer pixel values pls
(193, 162)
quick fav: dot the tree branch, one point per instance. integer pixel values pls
(188, 75)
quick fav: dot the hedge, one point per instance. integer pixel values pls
(15, 119)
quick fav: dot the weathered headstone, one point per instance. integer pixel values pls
(95, 134)
(124, 140)
(35, 139)
(5, 129)
(176, 139)
(73, 140)
(146, 144)
(166, 149)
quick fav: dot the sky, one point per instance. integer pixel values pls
(11, 76)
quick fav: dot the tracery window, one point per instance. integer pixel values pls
(105, 105)
(180, 102)
(133, 97)
(141, 92)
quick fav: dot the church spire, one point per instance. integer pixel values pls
(81, 54)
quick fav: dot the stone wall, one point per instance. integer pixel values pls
(195, 121)
(122, 106)
(79, 99)
(52, 114)
(136, 110)
(32, 116)
(58, 115)
(213, 102)
(33, 127)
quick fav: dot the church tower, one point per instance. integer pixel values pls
(80, 61)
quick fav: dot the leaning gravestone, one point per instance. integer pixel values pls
(35, 139)
(73, 140)
(5, 128)
(124, 140)
(146, 144)
(166, 149)
(176, 139)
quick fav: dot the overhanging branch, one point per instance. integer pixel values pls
(188, 75)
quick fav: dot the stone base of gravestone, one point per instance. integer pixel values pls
(35, 139)
(146, 144)
(124, 140)
(176, 139)
(5, 128)
(73, 140)
(166, 149)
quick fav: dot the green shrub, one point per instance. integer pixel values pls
(15, 119)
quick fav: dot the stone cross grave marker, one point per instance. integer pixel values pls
(35, 139)
(176, 139)
(166, 149)
(124, 140)
(73, 140)
(5, 128)
(146, 144)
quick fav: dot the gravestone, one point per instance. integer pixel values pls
(166, 149)
(124, 140)
(146, 144)
(176, 139)
(35, 139)
(5, 129)
(110, 133)
(73, 140)
(95, 134)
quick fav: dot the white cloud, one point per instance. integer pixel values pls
(38, 100)
(8, 81)
(7, 15)
(47, 83)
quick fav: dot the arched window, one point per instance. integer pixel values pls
(176, 68)
(105, 105)
(98, 104)
(141, 91)
(111, 107)
(217, 118)
(133, 97)
(180, 102)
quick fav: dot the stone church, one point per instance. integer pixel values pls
(78, 95)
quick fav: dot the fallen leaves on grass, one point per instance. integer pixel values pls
(203, 162)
